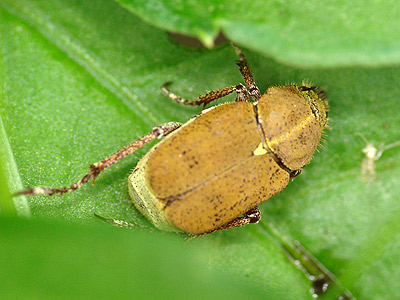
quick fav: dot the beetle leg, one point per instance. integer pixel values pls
(246, 73)
(115, 222)
(240, 89)
(252, 216)
(96, 168)
(295, 173)
(120, 223)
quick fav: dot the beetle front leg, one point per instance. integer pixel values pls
(95, 169)
(205, 99)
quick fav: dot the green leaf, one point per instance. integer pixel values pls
(8, 169)
(82, 80)
(304, 33)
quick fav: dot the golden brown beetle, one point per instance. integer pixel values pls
(211, 172)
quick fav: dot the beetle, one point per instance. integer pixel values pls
(211, 173)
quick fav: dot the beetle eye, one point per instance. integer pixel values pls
(316, 90)
(306, 88)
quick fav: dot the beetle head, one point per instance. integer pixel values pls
(318, 103)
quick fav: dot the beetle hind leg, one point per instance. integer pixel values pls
(96, 168)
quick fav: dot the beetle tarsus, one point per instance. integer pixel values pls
(245, 70)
